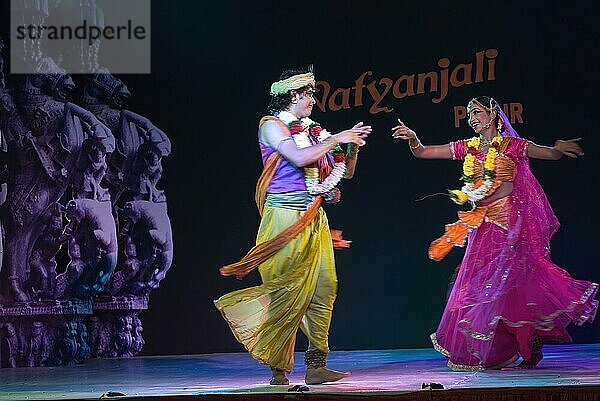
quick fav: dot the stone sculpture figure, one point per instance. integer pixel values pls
(95, 239)
(91, 169)
(67, 348)
(122, 339)
(37, 345)
(136, 163)
(138, 340)
(42, 279)
(93, 335)
(42, 156)
(83, 348)
(134, 169)
(148, 229)
(9, 345)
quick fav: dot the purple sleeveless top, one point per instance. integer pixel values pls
(287, 177)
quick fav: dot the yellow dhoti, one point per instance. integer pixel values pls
(298, 291)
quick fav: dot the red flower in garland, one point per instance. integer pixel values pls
(315, 131)
(296, 128)
(333, 196)
(339, 157)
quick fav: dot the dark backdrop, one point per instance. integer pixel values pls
(212, 65)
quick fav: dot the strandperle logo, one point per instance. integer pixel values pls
(81, 37)
(85, 31)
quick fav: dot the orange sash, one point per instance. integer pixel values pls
(456, 233)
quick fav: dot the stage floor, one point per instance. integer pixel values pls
(375, 374)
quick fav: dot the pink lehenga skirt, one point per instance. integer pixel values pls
(508, 292)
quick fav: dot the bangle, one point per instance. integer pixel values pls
(331, 143)
(415, 147)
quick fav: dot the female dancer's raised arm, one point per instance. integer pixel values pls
(568, 147)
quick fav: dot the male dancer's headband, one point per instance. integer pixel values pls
(291, 83)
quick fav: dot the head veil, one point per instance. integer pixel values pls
(532, 217)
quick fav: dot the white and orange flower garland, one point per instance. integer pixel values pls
(469, 192)
(301, 130)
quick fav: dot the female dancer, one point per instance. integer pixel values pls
(509, 297)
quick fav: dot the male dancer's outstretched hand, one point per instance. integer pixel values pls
(356, 134)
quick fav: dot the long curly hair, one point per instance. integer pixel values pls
(281, 102)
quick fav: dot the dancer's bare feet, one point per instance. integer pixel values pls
(279, 378)
(536, 355)
(531, 363)
(323, 375)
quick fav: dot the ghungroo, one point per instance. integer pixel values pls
(315, 359)
(536, 345)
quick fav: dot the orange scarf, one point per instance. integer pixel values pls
(456, 233)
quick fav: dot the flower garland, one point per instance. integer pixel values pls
(469, 192)
(302, 131)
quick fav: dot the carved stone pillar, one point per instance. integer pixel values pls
(115, 328)
(43, 333)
